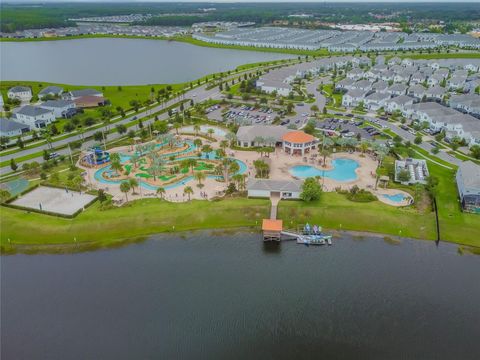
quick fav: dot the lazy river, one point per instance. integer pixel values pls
(343, 170)
(100, 173)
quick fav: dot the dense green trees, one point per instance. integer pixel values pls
(311, 190)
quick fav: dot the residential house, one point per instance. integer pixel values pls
(387, 75)
(435, 80)
(345, 84)
(364, 85)
(456, 82)
(376, 101)
(407, 62)
(11, 128)
(398, 103)
(468, 185)
(397, 89)
(402, 77)
(59, 107)
(418, 78)
(394, 61)
(469, 104)
(34, 116)
(22, 93)
(50, 91)
(380, 86)
(417, 91)
(453, 122)
(435, 93)
(355, 74)
(353, 98)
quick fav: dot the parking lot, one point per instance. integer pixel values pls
(248, 115)
(347, 128)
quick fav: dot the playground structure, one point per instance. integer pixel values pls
(94, 157)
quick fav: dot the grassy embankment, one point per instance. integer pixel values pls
(95, 227)
(320, 52)
(184, 39)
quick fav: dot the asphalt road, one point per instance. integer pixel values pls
(410, 137)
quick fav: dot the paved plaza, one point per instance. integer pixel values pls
(60, 201)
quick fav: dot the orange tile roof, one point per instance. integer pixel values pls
(298, 137)
(272, 225)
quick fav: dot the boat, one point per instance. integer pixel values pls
(319, 239)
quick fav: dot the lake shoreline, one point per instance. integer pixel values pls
(74, 248)
(192, 41)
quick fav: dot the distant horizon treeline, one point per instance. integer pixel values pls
(16, 17)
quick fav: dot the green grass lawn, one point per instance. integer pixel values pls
(443, 55)
(139, 218)
(144, 217)
(116, 96)
(455, 225)
(334, 211)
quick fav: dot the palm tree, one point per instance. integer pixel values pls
(176, 126)
(133, 184)
(188, 191)
(341, 142)
(231, 137)
(197, 143)
(226, 165)
(196, 128)
(327, 142)
(199, 176)
(117, 167)
(192, 163)
(324, 152)
(223, 144)
(115, 157)
(364, 146)
(134, 160)
(210, 132)
(125, 188)
(220, 153)
(161, 192)
(238, 178)
(233, 167)
(206, 149)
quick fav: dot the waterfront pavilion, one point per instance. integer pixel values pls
(298, 143)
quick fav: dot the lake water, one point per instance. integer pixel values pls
(228, 296)
(118, 61)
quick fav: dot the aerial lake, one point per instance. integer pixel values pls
(218, 295)
(119, 61)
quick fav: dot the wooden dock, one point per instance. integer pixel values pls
(272, 228)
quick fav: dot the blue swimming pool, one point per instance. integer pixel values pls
(343, 170)
(395, 198)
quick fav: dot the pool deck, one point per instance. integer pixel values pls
(281, 164)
